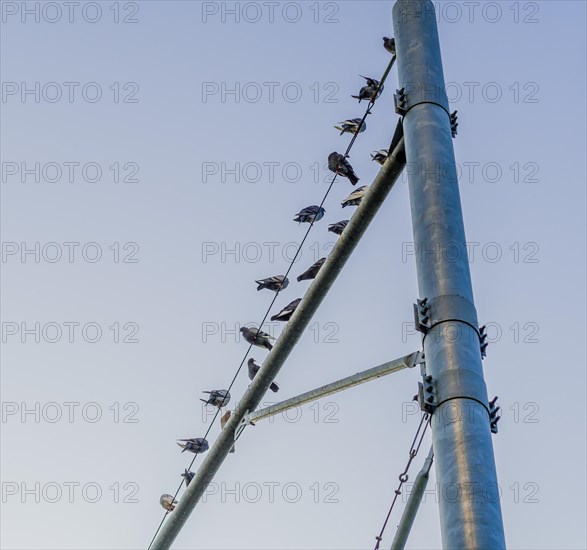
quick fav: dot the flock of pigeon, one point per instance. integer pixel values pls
(338, 164)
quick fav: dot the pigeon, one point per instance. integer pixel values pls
(188, 476)
(257, 337)
(371, 91)
(338, 164)
(355, 197)
(380, 156)
(223, 420)
(338, 227)
(254, 369)
(312, 271)
(275, 283)
(168, 502)
(371, 82)
(352, 126)
(218, 398)
(194, 445)
(310, 214)
(286, 313)
(389, 44)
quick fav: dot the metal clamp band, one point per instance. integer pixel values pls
(411, 95)
(449, 307)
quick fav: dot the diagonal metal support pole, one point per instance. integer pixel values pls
(413, 504)
(341, 252)
(470, 512)
(406, 362)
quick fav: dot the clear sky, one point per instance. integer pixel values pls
(150, 173)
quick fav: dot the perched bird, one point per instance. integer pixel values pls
(194, 445)
(355, 197)
(276, 283)
(286, 313)
(371, 91)
(310, 214)
(257, 337)
(312, 271)
(371, 81)
(218, 398)
(338, 227)
(389, 44)
(338, 164)
(380, 156)
(352, 126)
(168, 502)
(188, 476)
(223, 420)
(254, 369)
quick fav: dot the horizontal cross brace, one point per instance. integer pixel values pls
(408, 361)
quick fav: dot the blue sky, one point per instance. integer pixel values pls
(141, 265)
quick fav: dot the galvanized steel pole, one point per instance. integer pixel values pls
(341, 252)
(470, 512)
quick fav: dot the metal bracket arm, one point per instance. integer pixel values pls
(408, 361)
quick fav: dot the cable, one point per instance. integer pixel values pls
(299, 249)
(403, 477)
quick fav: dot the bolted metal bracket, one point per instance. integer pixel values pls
(417, 359)
(422, 316)
(426, 390)
(400, 101)
(448, 307)
(426, 395)
(453, 124)
(403, 102)
(483, 343)
(411, 94)
(245, 421)
(494, 415)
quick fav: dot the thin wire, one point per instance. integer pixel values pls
(403, 477)
(348, 150)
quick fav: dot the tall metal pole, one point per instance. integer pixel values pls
(470, 512)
